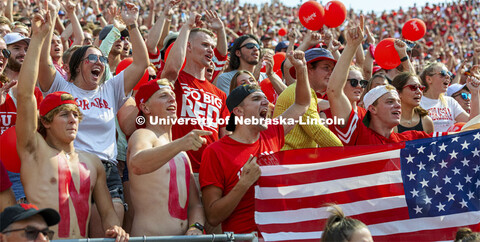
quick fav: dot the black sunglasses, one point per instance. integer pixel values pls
(94, 58)
(31, 233)
(6, 53)
(151, 77)
(250, 46)
(355, 82)
(444, 73)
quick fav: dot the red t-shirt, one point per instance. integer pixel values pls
(8, 111)
(356, 133)
(221, 167)
(198, 99)
(4, 181)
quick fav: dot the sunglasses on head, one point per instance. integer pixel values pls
(31, 233)
(415, 87)
(250, 46)
(6, 53)
(444, 73)
(92, 58)
(465, 96)
(355, 82)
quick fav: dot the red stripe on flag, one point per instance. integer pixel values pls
(306, 156)
(329, 174)
(366, 193)
(424, 235)
(319, 224)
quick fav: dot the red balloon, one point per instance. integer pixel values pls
(8, 152)
(124, 64)
(282, 32)
(414, 29)
(311, 15)
(268, 90)
(168, 52)
(385, 54)
(278, 58)
(335, 14)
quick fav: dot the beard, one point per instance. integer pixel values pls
(13, 64)
(252, 62)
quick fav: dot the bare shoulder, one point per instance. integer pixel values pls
(90, 159)
(142, 134)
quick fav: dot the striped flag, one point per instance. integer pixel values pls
(420, 190)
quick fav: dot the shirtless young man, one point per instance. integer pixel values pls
(161, 179)
(53, 173)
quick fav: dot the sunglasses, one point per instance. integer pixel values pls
(250, 46)
(6, 53)
(151, 77)
(31, 233)
(415, 87)
(444, 73)
(465, 96)
(92, 58)
(355, 82)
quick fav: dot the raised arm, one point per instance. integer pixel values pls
(302, 89)
(26, 105)
(135, 71)
(368, 64)
(47, 71)
(215, 23)
(339, 103)
(179, 50)
(157, 30)
(74, 22)
(401, 49)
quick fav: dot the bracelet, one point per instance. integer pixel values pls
(132, 26)
(198, 226)
(405, 58)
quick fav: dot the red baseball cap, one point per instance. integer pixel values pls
(146, 90)
(54, 100)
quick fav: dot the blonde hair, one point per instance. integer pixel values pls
(429, 71)
(233, 82)
(48, 118)
(339, 227)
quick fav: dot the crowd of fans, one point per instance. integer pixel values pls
(100, 71)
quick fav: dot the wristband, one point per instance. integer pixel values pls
(132, 26)
(198, 226)
(99, 15)
(405, 58)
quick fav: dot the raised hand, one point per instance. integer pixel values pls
(69, 7)
(297, 58)
(312, 38)
(269, 62)
(400, 46)
(4, 90)
(130, 14)
(250, 171)
(41, 23)
(194, 140)
(473, 84)
(214, 21)
(194, 20)
(370, 36)
(169, 8)
(354, 34)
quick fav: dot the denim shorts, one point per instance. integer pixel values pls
(114, 182)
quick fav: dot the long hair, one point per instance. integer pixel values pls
(76, 60)
(233, 82)
(234, 59)
(429, 71)
(399, 83)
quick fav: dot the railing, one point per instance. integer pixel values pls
(227, 236)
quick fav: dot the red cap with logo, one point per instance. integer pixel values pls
(54, 100)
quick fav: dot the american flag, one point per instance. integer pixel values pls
(421, 190)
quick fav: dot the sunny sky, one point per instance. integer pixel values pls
(365, 5)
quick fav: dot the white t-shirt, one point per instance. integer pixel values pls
(224, 80)
(443, 117)
(96, 132)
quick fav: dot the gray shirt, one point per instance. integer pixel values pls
(224, 79)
